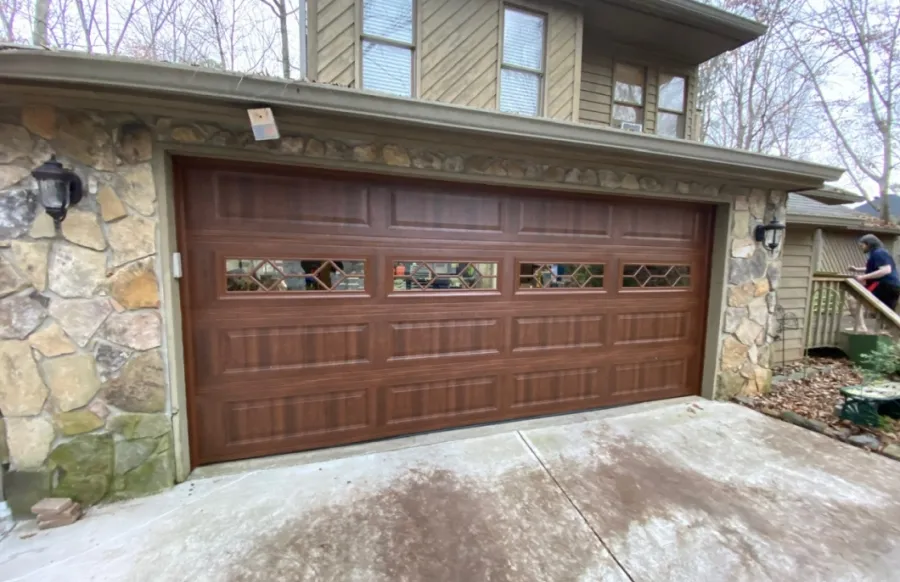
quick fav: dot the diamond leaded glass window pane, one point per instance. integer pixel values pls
(656, 276)
(294, 275)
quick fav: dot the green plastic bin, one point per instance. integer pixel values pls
(863, 343)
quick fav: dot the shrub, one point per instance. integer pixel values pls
(883, 361)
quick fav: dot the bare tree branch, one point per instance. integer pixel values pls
(856, 43)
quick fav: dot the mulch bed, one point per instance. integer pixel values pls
(811, 389)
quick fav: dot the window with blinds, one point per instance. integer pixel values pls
(388, 46)
(628, 94)
(522, 65)
(670, 117)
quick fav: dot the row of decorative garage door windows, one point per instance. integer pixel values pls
(291, 275)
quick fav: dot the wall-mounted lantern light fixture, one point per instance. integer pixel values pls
(58, 188)
(770, 234)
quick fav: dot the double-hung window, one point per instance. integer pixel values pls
(388, 46)
(628, 95)
(670, 118)
(522, 64)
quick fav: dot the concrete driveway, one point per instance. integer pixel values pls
(688, 491)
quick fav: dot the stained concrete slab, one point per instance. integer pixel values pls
(478, 509)
(718, 492)
(685, 491)
(27, 549)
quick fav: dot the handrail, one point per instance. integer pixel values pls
(837, 305)
(866, 295)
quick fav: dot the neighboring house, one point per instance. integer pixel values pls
(820, 243)
(391, 264)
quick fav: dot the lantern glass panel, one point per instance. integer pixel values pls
(54, 193)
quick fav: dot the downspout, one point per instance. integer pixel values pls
(304, 42)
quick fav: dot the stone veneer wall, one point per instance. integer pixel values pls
(83, 390)
(750, 327)
(82, 385)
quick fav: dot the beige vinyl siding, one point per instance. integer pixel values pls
(335, 29)
(460, 51)
(596, 86)
(691, 108)
(651, 91)
(562, 49)
(793, 290)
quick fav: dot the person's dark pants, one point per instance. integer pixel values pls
(887, 294)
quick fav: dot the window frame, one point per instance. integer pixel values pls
(413, 47)
(683, 113)
(644, 86)
(501, 65)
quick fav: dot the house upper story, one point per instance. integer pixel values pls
(627, 64)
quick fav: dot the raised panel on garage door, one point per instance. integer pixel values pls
(324, 309)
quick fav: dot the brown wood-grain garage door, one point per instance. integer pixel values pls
(328, 309)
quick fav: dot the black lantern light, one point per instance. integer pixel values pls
(770, 234)
(58, 187)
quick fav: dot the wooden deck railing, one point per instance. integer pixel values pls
(844, 304)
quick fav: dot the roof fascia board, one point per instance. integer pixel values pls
(705, 16)
(809, 220)
(832, 198)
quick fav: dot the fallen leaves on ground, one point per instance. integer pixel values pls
(817, 395)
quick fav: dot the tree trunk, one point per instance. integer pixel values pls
(41, 13)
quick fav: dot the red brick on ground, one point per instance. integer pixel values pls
(67, 516)
(51, 505)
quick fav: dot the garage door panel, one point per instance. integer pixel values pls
(296, 416)
(653, 328)
(220, 201)
(542, 391)
(468, 305)
(446, 402)
(242, 427)
(233, 353)
(655, 224)
(448, 213)
(415, 340)
(661, 377)
(298, 348)
(559, 332)
(550, 217)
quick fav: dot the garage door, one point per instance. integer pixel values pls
(328, 309)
